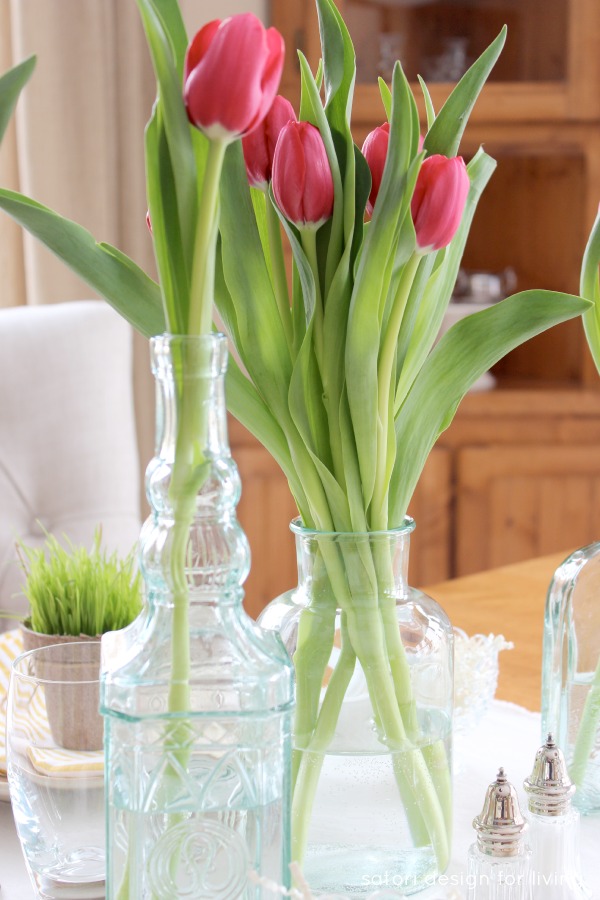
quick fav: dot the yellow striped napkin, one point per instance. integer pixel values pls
(32, 733)
(11, 644)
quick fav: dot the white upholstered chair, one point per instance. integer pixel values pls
(68, 451)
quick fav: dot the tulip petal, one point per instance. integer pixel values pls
(289, 174)
(198, 47)
(374, 151)
(302, 180)
(438, 201)
(271, 74)
(259, 145)
(224, 92)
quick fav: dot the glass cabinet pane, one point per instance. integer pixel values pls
(439, 39)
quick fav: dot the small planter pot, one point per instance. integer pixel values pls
(71, 684)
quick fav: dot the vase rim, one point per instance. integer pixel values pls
(213, 337)
(200, 355)
(408, 525)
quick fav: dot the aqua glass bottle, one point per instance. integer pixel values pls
(197, 699)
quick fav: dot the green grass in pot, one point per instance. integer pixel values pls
(75, 591)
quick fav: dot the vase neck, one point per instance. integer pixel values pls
(372, 561)
(192, 484)
(190, 382)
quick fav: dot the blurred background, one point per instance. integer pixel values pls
(518, 473)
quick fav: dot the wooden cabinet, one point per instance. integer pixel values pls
(525, 476)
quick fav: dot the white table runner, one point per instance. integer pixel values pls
(508, 736)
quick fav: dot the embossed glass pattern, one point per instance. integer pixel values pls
(197, 800)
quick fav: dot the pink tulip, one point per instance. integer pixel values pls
(232, 73)
(259, 145)
(302, 182)
(438, 200)
(374, 151)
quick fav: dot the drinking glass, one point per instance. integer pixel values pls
(56, 769)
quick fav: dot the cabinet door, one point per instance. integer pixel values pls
(265, 511)
(430, 547)
(549, 67)
(515, 503)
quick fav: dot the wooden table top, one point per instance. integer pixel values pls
(508, 601)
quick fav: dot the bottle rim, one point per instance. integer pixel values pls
(406, 528)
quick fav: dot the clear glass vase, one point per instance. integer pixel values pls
(372, 735)
(571, 671)
(197, 700)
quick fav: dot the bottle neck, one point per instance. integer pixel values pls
(192, 545)
(190, 392)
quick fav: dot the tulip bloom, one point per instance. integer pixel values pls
(302, 181)
(374, 151)
(231, 76)
(259, 145)
(438, 200)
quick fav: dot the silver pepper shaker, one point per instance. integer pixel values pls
(553, 828)
(498, 862)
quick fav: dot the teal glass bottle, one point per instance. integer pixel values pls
(197, 699)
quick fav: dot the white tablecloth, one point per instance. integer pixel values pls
(508, 736)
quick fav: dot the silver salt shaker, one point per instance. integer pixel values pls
(498, 862)
(553, 828)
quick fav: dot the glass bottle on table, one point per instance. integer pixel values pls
(197, 764)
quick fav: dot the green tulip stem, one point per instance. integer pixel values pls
(207, 229)
(189, 472)
(365, 636)
(586, 735)
(279, 275)
(309, 245)
(311, 758)
(385, 385)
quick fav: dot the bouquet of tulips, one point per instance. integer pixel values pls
(341, 380)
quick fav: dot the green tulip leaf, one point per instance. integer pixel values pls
(428, 103)
(425, 311)
(262, 342)
(313, 112)
(464, 353)
(245, 403)
(166, 235)
(361, 196)
(590, 289)
(173, 25)
(445, 134)
(11, 85)
(108, 271)
(176, 125)
(339, 65)
(305, 400)
(386, 97)
(373, 275)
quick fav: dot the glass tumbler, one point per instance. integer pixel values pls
(56, 769)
